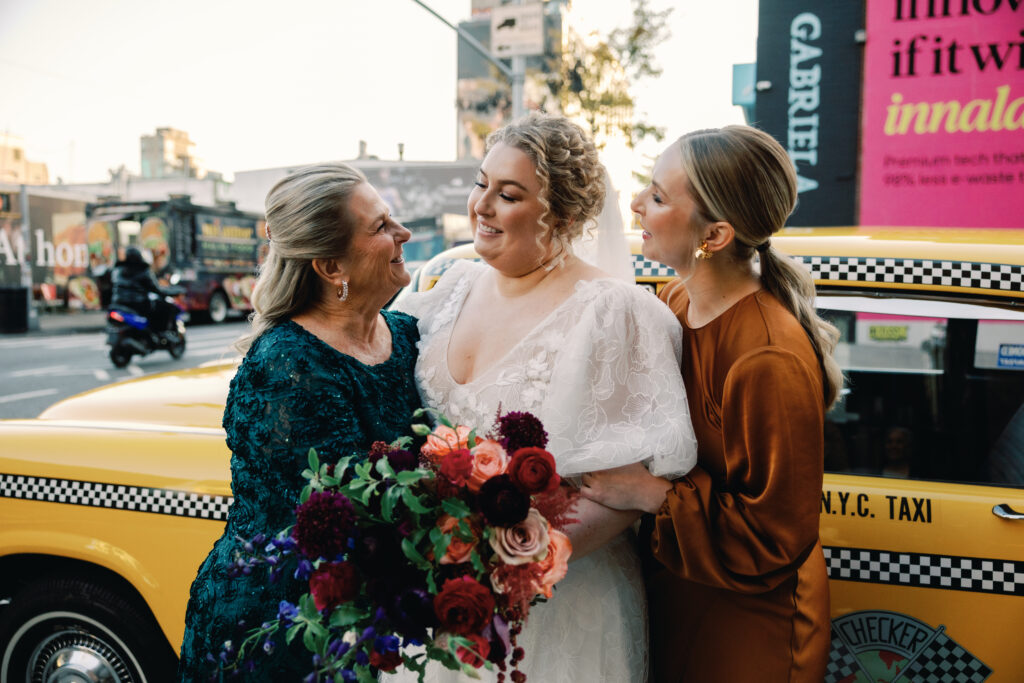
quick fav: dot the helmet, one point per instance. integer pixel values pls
(133, 255)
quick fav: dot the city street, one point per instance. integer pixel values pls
(40, 369)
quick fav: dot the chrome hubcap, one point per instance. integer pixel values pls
(76, 657)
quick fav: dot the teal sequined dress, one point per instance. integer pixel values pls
(292, 392)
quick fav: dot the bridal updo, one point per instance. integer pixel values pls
(571, 175)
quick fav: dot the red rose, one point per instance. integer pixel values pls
(533, 471)
(387, 661)
(332, 584)
(478, 655)
(463, 606)
(457, 465)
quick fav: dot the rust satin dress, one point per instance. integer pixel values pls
(741, 591)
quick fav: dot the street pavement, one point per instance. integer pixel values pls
(63, 322)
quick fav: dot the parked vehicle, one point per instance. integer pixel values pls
(131, 334)
(109, 501)
(210, 251)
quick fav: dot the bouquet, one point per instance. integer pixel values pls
(418, 556)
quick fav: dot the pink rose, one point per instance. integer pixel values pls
(556, 564)
(524, 542)
(445, 439)
(489, 460)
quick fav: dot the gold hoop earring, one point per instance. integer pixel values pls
(703, 253)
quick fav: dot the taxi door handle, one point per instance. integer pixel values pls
(1006, 512)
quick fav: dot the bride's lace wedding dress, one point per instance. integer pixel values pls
(601, 372)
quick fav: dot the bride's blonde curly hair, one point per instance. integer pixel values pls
(571, 175)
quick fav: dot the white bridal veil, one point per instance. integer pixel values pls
(605, 246)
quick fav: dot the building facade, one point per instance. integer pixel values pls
(15, 167)
(170, 153)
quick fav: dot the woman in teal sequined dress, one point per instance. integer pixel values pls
(325, 369)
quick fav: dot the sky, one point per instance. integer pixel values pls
(261, 84)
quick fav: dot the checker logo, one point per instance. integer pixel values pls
(97, 494)
(877, 646)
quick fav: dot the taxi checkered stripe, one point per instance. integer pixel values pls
(991, 276)
(116, 496)
(645, 268)
(916, 271)
(949, 572)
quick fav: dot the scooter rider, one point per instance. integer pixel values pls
(133, 282)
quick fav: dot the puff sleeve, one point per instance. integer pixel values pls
(616, 395)
(750, 536)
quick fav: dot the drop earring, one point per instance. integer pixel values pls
(703, 253)
(343, 292)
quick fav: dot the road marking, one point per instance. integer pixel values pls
(75, 343)
(28, 394)
(31, 341)
(101, 375)
(135, 370)
(52, 370)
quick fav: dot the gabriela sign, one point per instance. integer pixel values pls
(943, 122)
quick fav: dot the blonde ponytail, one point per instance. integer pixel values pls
(741, 175)
(794, 288)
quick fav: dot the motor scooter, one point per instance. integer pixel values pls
(129, 333)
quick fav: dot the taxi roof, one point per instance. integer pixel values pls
(985, 263)
(192, 398)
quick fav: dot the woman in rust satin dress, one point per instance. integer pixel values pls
(742, 592)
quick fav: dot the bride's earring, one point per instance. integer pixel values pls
(703, 253)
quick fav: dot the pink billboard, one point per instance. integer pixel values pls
(943, 114)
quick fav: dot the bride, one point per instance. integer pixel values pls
(535, 328)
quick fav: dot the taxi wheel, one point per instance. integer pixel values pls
(72, 630)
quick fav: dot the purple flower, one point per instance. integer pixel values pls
(338, 648)
(303, 570)
(497, 634)
(284, 544)
(521, 430)
(386, 643)
(323, 524)
(287, 612)
(412, 613)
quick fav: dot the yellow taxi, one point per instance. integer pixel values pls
(922, 512)
(110, 500)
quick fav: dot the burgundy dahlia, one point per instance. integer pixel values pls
(323, 524)
(521, 430)
(501, 501)
(402, 460)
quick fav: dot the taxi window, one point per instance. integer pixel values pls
(934, 390)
